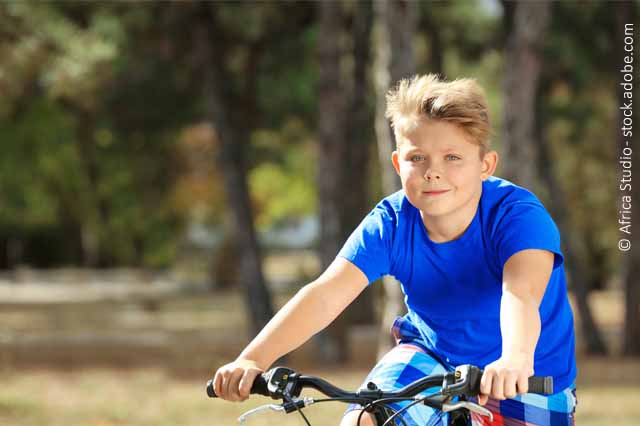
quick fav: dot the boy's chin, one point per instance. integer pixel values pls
(433, 212)
(425, 207)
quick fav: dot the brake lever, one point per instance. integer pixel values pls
(471, 406)
(273, 407)
(287, 407)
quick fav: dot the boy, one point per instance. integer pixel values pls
(478, 259)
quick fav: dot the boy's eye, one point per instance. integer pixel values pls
(452, 157)
(417, 157)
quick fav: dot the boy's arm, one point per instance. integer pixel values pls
(313, 308)
(525, 278)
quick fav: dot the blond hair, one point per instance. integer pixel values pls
(461, 102)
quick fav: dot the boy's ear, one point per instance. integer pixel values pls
(489, 164)
(395, 161)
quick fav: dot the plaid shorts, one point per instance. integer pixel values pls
(410, 360)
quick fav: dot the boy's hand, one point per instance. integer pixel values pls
(506, 377)
(233, 381)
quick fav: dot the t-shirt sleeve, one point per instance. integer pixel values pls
(369, 246)
(525, 226)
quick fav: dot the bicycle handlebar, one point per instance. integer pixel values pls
(280, 381)
(541, 384)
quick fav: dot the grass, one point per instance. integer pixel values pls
(111, 397)
(177, 344)
(153, 397)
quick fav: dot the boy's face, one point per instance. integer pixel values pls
(440, 169)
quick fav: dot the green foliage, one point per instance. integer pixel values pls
(38, 164)
(45, 180)
(287, 83)
(118, 84)
(284, 186)
(284, 196)
(106, 84)
(579, 86)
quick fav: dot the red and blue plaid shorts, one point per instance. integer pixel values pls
(409, 361)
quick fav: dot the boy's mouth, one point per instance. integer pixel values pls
(435, 192)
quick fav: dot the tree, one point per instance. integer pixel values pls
(81, 78)
(524, 146)
(395, 26)
(359, 136)
(575, 74)
(232, 116)
(575, 266)
(342, 138)
(526, 24)
(70, 77)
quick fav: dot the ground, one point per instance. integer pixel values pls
(155, 397)
(142, 358)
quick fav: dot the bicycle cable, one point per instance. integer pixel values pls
(366, 405)
(403, 409)
(382, 401)
(291, 401)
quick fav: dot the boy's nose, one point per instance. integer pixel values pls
(431, 175)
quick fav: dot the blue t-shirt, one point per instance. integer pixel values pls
(453, 289)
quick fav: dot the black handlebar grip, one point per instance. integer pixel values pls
(259, 387)
(211, 393)
(541, 385)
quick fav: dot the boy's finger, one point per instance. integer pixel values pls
(217, 380)
(482, 399)
(497, 387)
(223, 384)
(227, 387)
(486, 382)
(510, 381)
(246, 382)
(234, 385)
(523, 384)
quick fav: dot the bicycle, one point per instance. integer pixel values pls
(454, 390)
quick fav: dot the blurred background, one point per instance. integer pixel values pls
(171, 173)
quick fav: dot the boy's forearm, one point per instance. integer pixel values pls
(519, 324)
(303, 316)
(525, 279)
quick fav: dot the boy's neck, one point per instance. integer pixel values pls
(442, 229)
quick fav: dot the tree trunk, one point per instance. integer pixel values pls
(231, 160)
(545, 176)
(522, 71)
(436, 50)
(394, 29)
(332, 141)
(559, 210)
(92, 248)
(232, 163)
(343, 154)
(358, 141)
(573, 263)
(331, 129)
(15, 251)
(626, 13)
